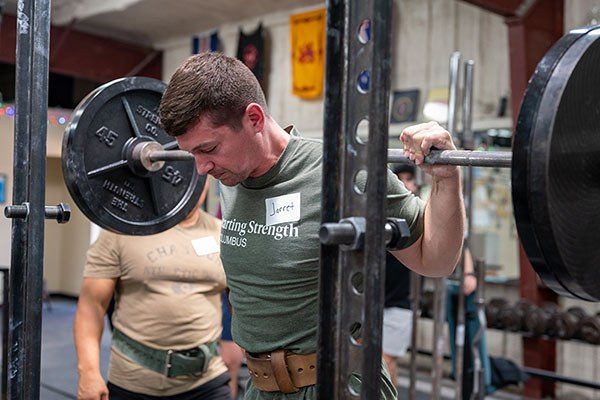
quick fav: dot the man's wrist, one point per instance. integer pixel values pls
(448, 180)
(88, 370)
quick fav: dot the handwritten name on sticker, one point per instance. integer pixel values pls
(205, 245)
(282, 209)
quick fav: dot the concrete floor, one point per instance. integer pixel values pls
(59, 363)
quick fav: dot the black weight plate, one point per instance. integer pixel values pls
(556, 166)
(100, 181)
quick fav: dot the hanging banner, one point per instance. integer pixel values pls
(250, 51)
(206, 41)
(307, 33)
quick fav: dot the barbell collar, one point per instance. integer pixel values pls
(465, 158)
(142, 156)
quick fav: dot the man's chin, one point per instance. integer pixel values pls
(229, 180)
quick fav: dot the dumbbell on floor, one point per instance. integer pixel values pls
(513, 317)
(565, 324)
(492, 312)
(536, 322)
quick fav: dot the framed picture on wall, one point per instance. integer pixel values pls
(2, 188)
(405, 104)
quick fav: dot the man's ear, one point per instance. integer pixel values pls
(256, 116)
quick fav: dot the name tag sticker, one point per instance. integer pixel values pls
(282, 209)
(205, 245)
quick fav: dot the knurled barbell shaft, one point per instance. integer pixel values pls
(498, 159)
(465, 158)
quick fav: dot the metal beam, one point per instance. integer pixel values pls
(27, 248)
(351, 295)
(84, 9)
(505, 8)
(330, 200)
(86, 56)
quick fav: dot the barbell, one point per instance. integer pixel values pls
(105, 165)
(127, 175)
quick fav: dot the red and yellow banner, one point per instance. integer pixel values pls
(307, 33)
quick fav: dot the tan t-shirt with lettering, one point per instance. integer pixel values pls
(167, 297)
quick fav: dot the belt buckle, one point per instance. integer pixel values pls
(168, 363)
(205, 360)
(203, 349)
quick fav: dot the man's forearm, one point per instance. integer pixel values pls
(444, 226)
(88, 326)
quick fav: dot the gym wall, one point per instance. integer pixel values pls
(425, 35)
(65, 245)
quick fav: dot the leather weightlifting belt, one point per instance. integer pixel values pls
(282, 371)
(170, 363)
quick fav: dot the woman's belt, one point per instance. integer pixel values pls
(170, 363)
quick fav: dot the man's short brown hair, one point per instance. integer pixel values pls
(213, 85)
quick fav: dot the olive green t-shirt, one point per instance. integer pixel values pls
(270, 248)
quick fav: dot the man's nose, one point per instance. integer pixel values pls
(204, 166)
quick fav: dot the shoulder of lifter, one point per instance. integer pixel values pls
(309, 149)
